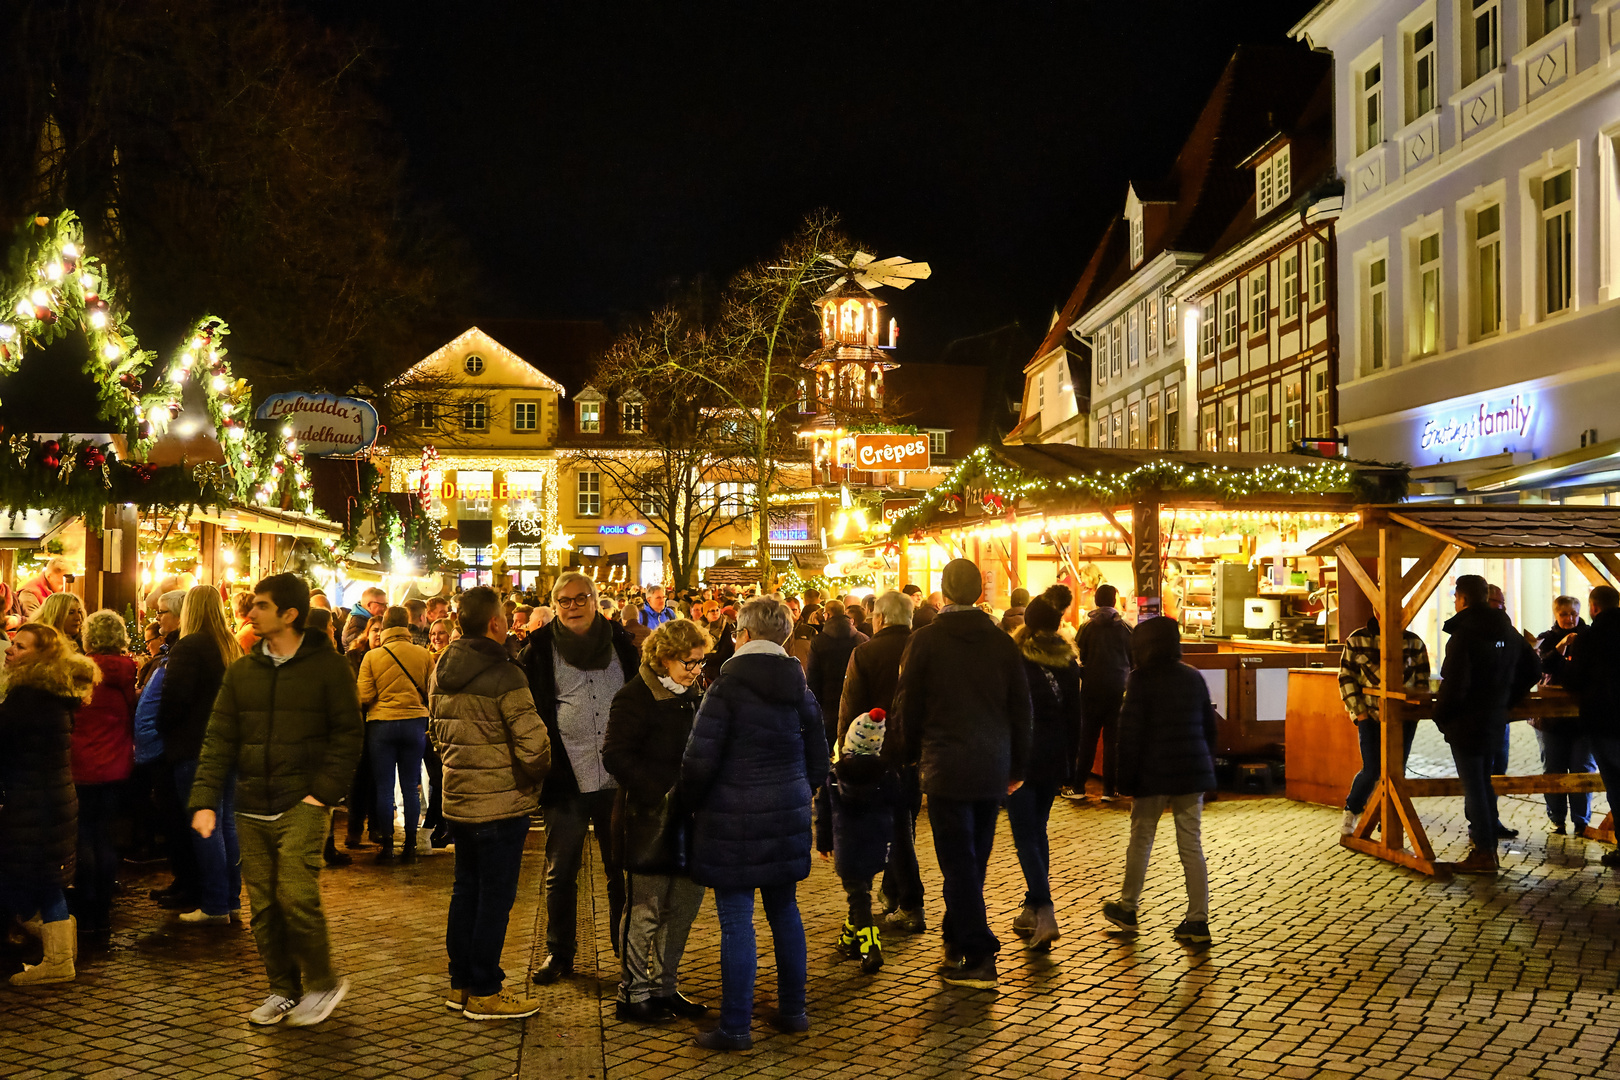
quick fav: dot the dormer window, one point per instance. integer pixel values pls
(632, 416)
(590, 417)
(1138, 247)
(1273, 182)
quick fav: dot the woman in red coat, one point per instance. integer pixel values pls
(103, 757)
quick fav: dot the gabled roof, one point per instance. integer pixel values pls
(1085, 292)
(511, 367)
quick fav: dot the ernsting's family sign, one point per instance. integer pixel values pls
(323, 424)
(1456, 432)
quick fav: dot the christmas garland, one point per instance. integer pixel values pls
(79, 477)
(1006, 483)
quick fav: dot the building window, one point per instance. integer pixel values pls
(525, 415)
(1318, 272)
(1229, 317)
(1282, 176)
(1290, 286)
(1260, 420)
(1172, 418)
(1557, 269)
(1207, 329)
(1040, 391)
(1113, 428)
(1133, 336)
(1482, 49)
(424, 414)
(1259, 303)
(936, 443)
(1133, 425)
(1172, 312)
(1138, 248)
(1150, 325)
(1229, 425)
(1546, 16)
(1372, 108)
(1208, 434)
(590, 417)
(1428, 299)
(1099, 356)
(1420, 94)
(475, 416)
(1153, 422)
(648, 504)
(1321, 421)
(1293, 411)
(1273, 182)
(1116, 350)
(1377, 313)
(633, 417)
(589, 502)
(473, 365)
(1262, 189)
(1487, 271)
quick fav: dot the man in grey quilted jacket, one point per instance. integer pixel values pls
(496, 755)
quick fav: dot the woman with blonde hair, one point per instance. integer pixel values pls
(197, 664)
(103, 758)
(45, 684)
(64, 613)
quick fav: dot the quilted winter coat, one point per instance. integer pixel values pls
(484, 725)
(39, 808)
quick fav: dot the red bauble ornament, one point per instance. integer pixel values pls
(45, 315)
(92, 457)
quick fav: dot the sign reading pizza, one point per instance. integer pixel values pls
(891, 453)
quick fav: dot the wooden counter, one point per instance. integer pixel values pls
(1322, 751)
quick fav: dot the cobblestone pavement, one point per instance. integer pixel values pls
(1325, 964)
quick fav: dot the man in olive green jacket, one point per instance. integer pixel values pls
(286, 729)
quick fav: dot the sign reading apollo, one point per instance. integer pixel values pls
(891, 453)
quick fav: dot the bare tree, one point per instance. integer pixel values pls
(433, 405)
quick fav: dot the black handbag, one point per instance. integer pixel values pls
(654, 836)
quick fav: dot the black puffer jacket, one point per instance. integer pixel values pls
(964, 707)
(1104, 644)
(1054, 695)
(757, 752)
(1488, 667)
(192, 682)
(538, 664)
(1593, 672)
(647, 730)
(829, 661)
(1167, 723)
(1553, 662)
(39, 808)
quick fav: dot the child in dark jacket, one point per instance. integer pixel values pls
(1166, 740)
(856, 823)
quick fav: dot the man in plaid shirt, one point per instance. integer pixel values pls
(1358, 671)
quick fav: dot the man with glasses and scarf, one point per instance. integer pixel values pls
(576, 664)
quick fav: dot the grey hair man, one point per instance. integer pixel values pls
(575, 664)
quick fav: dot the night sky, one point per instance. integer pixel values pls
(590, 154)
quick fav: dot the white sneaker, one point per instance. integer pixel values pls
(317, 1005)
(273, 1011)
(202, 918)
(1349, 824)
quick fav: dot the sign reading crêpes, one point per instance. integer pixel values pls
(893, 508)
(323, 424)
(891, 453)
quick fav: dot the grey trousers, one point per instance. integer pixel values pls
(659, 916)
(567, 824)
(1187, 811)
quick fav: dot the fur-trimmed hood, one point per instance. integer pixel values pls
(68, 676)
(1047, 649)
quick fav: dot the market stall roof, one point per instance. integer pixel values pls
(1483, 531)
(261, 519)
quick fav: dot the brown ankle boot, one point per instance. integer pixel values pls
(1480, 860)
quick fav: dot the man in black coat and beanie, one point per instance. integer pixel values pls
(1488, 666)
(1104, 644)
(965, 713)
(575, 664)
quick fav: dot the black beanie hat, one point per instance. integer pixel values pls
(1041, 617)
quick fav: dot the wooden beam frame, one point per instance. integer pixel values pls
(1594, 577)
(1422, 566)
(1349, 564)
(1444, 560)
(1610, 562)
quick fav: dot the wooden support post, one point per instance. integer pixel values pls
(1610, 563)
(1387, 601)
(1594, 577)
(903, 567)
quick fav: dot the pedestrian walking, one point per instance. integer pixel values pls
(1053, 670)
(287, 723)
(191, 681)
(575, 665)
(965, 712)
(361, 805)
(1361, 669)
(1487, 667)
(1564, 745)
(103, 758)
(756, 754)
(1104, 645)
(46, 683)
(1166, 762)
(1593, 673)
(496, 755)
(393, 693)
(648, 727)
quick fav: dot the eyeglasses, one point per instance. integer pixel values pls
(692, 665)
(582, 600)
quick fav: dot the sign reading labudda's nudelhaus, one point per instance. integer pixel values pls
(323, 424)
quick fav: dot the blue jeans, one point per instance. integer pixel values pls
(1564, 749)
(219, 858)
(396, 747)
(963, 835)
(1027, 811)
(488, 859)
(739, 956)
(1371, 736)
(23, 897)
(97, 873)
(1479, 797)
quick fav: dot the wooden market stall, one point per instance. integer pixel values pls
(1412, 550)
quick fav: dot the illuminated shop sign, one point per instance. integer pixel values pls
(798, 532)
(1464, 430)
(635, 528)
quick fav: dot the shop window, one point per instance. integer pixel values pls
(589, 503)
(1557, 269)
(1487, 276)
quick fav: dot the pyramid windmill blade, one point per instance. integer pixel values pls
(896, 270)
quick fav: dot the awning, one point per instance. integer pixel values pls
(264, 520)
(1484, 531)
(1598, 463)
